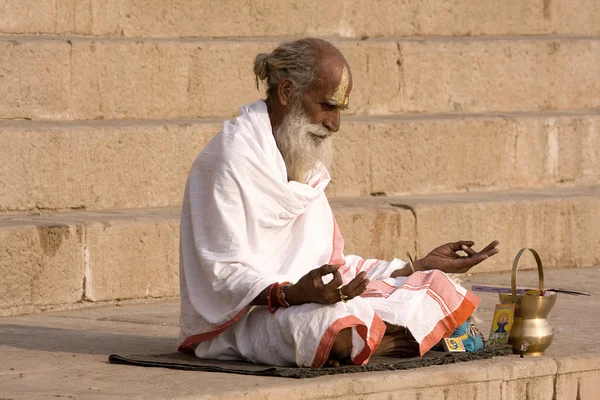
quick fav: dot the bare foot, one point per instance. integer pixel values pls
(397, 343)
(331, 363)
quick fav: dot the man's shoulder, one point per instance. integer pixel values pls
(241, 139)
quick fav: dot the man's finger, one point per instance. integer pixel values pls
(490, 246)
(491, 252)
(336, 281)
(470, 262)
(353, 284)
(357, 291)
(468, 250)
(456, 246)
(327, 269)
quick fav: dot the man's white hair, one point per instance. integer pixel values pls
(298, 60)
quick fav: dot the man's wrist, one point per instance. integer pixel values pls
(419, 266)
(292, 296)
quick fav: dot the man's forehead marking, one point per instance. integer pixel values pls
(340, 92)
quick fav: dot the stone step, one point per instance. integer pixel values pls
(127, 164)
(63, 259)
(81, 78)
(204, 18)
(43, 356)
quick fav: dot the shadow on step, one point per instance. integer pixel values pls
(82, 342)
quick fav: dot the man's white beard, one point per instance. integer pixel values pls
(302, 144)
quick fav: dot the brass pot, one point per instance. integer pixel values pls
(531, 332)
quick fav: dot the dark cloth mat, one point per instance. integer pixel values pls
(189, 362)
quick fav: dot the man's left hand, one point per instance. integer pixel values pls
(445, 258)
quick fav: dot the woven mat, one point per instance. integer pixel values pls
(189, 362)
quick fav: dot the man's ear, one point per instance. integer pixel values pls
(284, 91)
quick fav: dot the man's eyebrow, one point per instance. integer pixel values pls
(334, 103)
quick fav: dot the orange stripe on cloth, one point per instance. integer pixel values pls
(190, 344)
(440, 288)
(447, 325)
(377, 332)
(326, 343)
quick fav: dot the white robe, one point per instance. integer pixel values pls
(244, 227)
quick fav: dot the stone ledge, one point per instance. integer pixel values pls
(64, 79)
(138, 18)
(132, 254)
(82, 340)
(430, 154)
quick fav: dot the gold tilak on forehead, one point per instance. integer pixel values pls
(340, 93)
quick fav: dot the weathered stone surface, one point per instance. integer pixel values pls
(81, 340)
(382, 232)
(132, 259)
(539, 388)
(498, 75)
(180, 78)
(34, 78)
(446, 154)
(111, 164)
(188, 18)
(97, 164)
(578, 376)
(40, 265)
(562, 228)
(134, 253)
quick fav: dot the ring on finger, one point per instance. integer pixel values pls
(343, 297)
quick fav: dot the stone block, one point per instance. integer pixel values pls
(63, 258)
(562, 230)
(194, 18)
(441, 76)
(49, 165)
(41, 265)
(400, 156)
(132, 259)
(37, 17)
(180, 78)
(539, 388)
(35, 78)
(375, 232)
(97, 164)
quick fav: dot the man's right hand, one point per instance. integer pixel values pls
(311, 289)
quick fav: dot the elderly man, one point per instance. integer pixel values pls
(262, 270)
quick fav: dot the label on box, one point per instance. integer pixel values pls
(453, 345)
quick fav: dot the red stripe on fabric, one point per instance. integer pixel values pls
(344, 272)
(378, 287)
(441, 284)
(190, 344)
(374, 294)
(329, 336)
(360, 266)
(444, 287)
(376, 334)
(375, 262)
(447, 325)
(440, 302)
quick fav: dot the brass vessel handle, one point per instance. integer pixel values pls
(513, 280)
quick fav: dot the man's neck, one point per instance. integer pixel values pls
(275, 112)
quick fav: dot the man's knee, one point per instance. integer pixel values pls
(342, 345)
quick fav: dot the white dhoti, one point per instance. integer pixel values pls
(244, 227)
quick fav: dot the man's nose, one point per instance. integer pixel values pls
(332, 122)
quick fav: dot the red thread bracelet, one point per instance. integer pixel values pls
(270, 298)
(280, 288)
